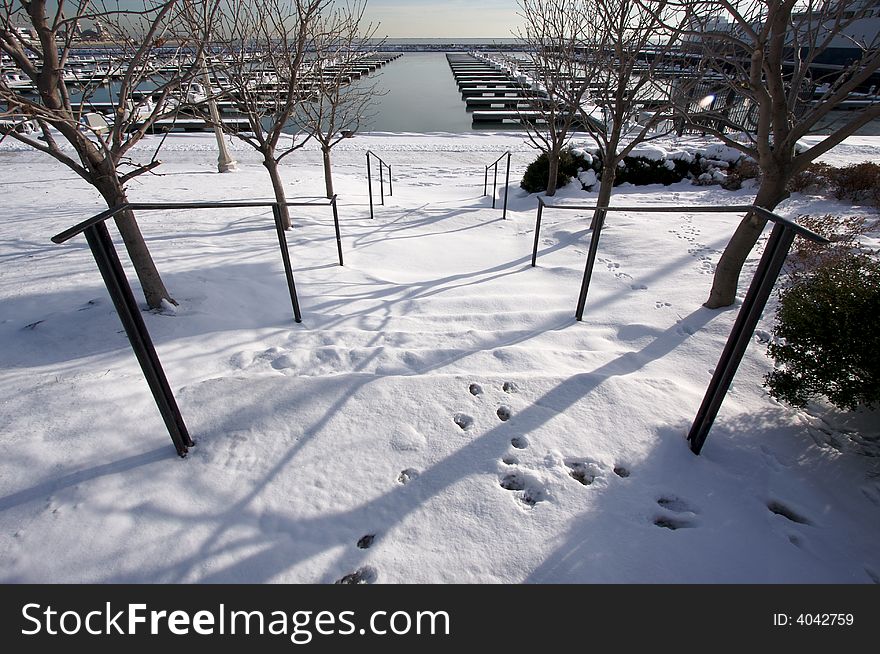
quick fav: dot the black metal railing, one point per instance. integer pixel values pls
(495, 182)
(107, 259)
(382, 166)
(769, 267)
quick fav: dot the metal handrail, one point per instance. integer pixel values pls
(495, 182)
(784, 232)
(382, 165)
(107, 259)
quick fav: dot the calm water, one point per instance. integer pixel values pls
(420, 96)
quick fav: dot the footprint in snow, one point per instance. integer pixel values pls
(475, 389)
(671, 523)
(504, 413)
(786, 512)
(365, 575)
(679, 507)
(509, 387)
(407, 476)
(519, 442)
(366, 542)
(621, 472)
(463, 420)
(527, 490)
(583, 471)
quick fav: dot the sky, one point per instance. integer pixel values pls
(449, 18)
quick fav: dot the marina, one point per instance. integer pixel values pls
(488, 89)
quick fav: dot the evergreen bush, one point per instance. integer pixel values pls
(827, 336)
(570, 164)
(641, 171)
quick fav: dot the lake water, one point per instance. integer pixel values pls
(420, 95)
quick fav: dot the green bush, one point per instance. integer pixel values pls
(535, 178)
(828, 336)
(641, 171)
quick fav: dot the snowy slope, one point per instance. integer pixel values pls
(438, 395)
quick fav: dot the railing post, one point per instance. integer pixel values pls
(285, 257)
(759, 292)
(486, 181)
(336, 224)
(381, 184)
(129, 314)
(537, 230)
(506, 188)
(370, 185)
(591, 260)
(495, 185)
(390, 184)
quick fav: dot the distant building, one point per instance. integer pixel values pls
(98, 33)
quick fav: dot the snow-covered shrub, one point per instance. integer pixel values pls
(571, 163)
(739, 172)
(858, 183)
(815, 177)
(641, 171)
(827, 336)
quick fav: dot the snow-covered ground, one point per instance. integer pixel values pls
(439, 394)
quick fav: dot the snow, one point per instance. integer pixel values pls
(722, 153)
(588, 178)
(649, 151)
(438, 395)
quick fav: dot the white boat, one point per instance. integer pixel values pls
(16, 81)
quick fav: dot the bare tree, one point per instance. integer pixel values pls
(100, 147)
(774, 68)
(552, 32)
(624, 62)
(336, 105)
(258, 68)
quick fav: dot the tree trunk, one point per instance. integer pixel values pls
(552, 173)
(771, 192)
(278, 186)
(606, 184)
(328, 173)
(144, 266)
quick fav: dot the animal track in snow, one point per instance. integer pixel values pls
(614, 267)
(678, 506)
(622, 472)
(519, 442)
(527, 490)
(504, 413)
(583, 471)
(475, 389)
(668, 522)
(509, 387)
(510, 460)
(660, 304)
(366, 542)
(463, 420)
(365, 575)
(407, 475)
(786, 512)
